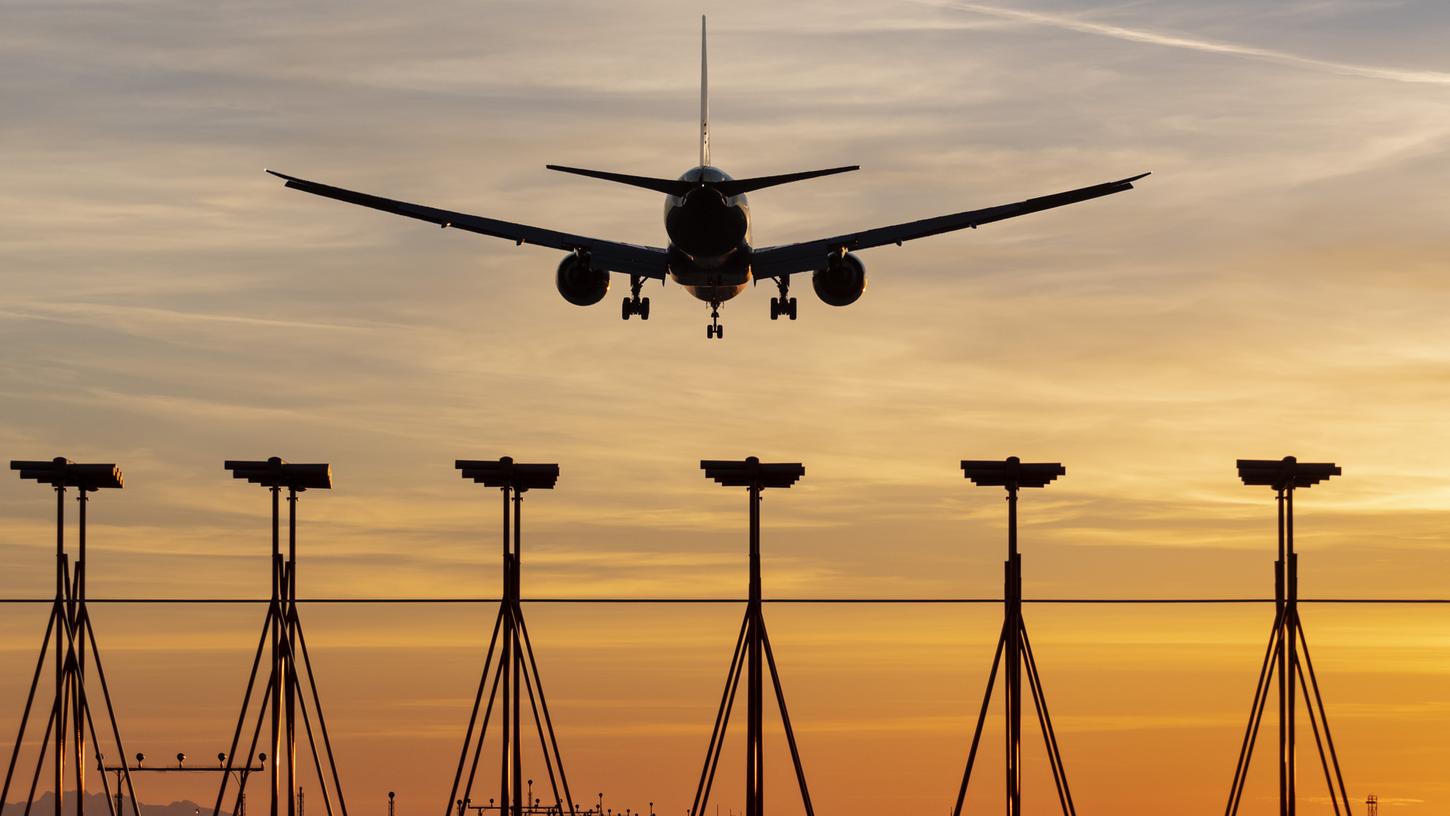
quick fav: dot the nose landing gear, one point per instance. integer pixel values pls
(634, 304)
(714, 329)
(783, 305)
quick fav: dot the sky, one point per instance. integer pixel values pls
(1277, 286)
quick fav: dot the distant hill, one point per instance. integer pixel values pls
(44, 805)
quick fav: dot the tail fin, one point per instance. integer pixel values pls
(704, 100)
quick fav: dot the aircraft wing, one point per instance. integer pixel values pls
(614, 256)
(809, 256)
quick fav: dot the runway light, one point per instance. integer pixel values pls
(750, 472)
(62, 472)
(506, 473)
(1011, 473)
(1282, 474)
(274, 472)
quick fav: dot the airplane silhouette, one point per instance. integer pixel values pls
(707, 219)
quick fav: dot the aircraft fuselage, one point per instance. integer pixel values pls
(709, 250)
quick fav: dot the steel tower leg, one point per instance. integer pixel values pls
(510, 660)
(1286, 665)
(1014, 657)
(283, 697)
(70, 641)
(752, 658)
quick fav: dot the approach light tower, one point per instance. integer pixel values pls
(752, 643)
(1014, 650)
(515, 669)
(70, 717)
(1287, 657)
(283, 695)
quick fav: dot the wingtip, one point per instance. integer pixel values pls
(282, 176)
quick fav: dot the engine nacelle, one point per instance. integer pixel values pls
(841, 282)
(579, 284)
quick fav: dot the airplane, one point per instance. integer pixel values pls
(707, 220)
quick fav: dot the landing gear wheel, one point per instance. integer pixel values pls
(634, 306)
(785, 304)
(714, 329)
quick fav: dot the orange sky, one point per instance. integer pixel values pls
(1277, 286)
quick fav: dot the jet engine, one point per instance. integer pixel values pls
(841, 282)
(580, 284)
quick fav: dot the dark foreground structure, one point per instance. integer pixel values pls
(1012, 475)
(285, 694)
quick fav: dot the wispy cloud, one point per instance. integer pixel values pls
(1148, 37)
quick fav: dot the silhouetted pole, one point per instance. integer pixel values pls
(283, 698)
(755, 750)
(1012, 614)
(1014, 649)
(1286, 661)
(752, 651)
(278, 678)
(516, 671)
(70, 715)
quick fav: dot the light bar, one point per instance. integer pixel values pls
(752, 473)
(1011, 472)
(506, 473)
(1282, 474)
(62, 472)
(276, 473)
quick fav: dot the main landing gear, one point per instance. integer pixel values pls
(634, 304)
(714, 329)
(783, 305)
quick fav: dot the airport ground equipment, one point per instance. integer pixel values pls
(515, 672)
(283, 696)
(70, 720)
(750, 646)
(1287, 669)
(1014, 649)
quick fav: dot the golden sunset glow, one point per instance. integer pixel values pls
(1279, 285)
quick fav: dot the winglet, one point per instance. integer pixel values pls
(704, 100)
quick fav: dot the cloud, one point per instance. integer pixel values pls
(1137, 35)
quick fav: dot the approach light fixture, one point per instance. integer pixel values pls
(505, 472)
(62, 472)
(274, 472)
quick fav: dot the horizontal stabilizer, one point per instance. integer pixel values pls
(677, 187)
(672, 187)
(738, 186)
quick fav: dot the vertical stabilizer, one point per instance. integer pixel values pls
(704, 99)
